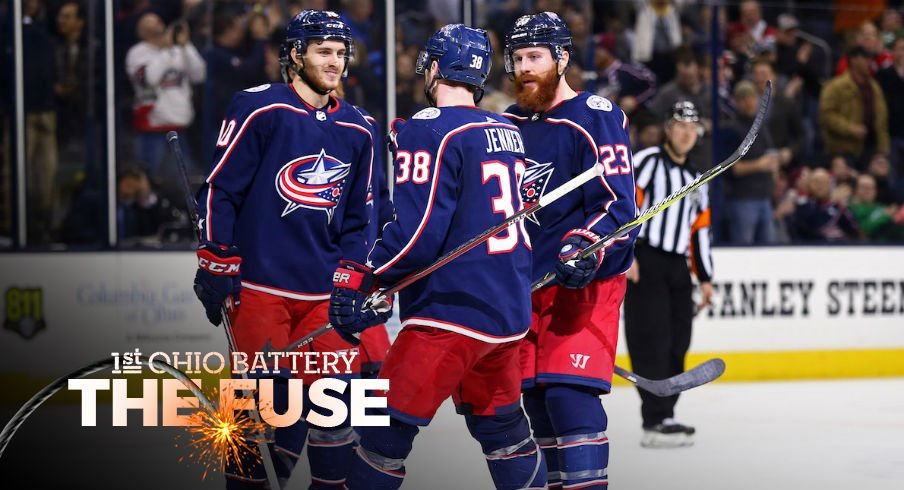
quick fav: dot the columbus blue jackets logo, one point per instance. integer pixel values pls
(312, 182)
(533, 184)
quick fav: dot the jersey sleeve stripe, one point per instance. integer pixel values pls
(433, 186)
(245, 125)
(512, 116)
(209, 222)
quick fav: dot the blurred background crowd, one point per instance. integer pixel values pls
(829, 163)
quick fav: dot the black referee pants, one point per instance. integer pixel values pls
(659, 312)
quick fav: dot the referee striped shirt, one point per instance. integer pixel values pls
(683, 228)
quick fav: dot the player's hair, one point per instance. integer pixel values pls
(316, 25)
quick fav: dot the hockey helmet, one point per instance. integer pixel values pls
(311, 25)
(686, 111)
(543, 29)
(463, 54)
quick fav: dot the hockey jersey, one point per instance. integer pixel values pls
(379, 204)
(289, 187)
(561, 143)
(456, 175)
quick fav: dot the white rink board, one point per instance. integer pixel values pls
(97, 303)
(805, 298)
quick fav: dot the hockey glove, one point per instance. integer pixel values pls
(352, 284)
(218, 278)
(572, 271)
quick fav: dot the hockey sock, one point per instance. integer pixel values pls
(544, 435)
(380, 457)
(330, 454)
(580, 426)
(514, 460)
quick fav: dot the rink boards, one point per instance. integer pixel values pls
(779, 313)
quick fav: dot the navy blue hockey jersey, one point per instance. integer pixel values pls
(379, 204)
(456, 175)
(289, 187)
(561, 143)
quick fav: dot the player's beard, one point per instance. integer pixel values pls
(312, 78)
(537, 98)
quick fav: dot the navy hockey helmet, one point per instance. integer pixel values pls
(543, 29)
(312, 25)
(463, 54)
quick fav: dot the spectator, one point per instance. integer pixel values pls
(822, 216)
(41, 152)
(842, 170)
(785, 123)
(628, 84)
(751, 180)
(357, 16)
(794, 58)
(880, 168)
(760, 34)
(891, 27)
(657, 34)
(142, 214)
(877, 222)
(71, 89)
(891, 79)
(688, 85)
(867, 37)
(646, 130)
(162, 67)
(233, 65)
(852, 111)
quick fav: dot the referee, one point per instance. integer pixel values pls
(659, 309)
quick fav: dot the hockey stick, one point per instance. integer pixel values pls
(680, 193)
(173, 139)
(699, 375)
(9, 430)
(545, 200)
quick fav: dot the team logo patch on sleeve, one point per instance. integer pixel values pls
(533, 184)
(599, 103)
(313, 182)
(428, 113)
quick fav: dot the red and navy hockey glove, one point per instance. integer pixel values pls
(571, 271)
(352, 284)
(218, 278)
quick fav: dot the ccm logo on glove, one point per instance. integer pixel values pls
(216, 265)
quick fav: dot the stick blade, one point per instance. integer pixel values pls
(699, 375)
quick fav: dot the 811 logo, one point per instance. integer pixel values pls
(24, 308)
(312, 182)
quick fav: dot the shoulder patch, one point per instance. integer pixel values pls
(259, 88)
(599, 103)
(428, 113)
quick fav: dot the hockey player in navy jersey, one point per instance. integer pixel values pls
(567, 358)
(457, 170)
(285, 201)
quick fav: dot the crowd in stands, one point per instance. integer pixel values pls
(827, 167)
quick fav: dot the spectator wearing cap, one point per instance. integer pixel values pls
(853, 115)
(751, 180)
(891, 79)
(628, 84)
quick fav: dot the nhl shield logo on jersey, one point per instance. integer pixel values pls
(312, 182)
(533, 184)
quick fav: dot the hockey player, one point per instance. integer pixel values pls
(457, 174)
(567, 358)
(374, 341)
(659, 311)
(286, 200)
